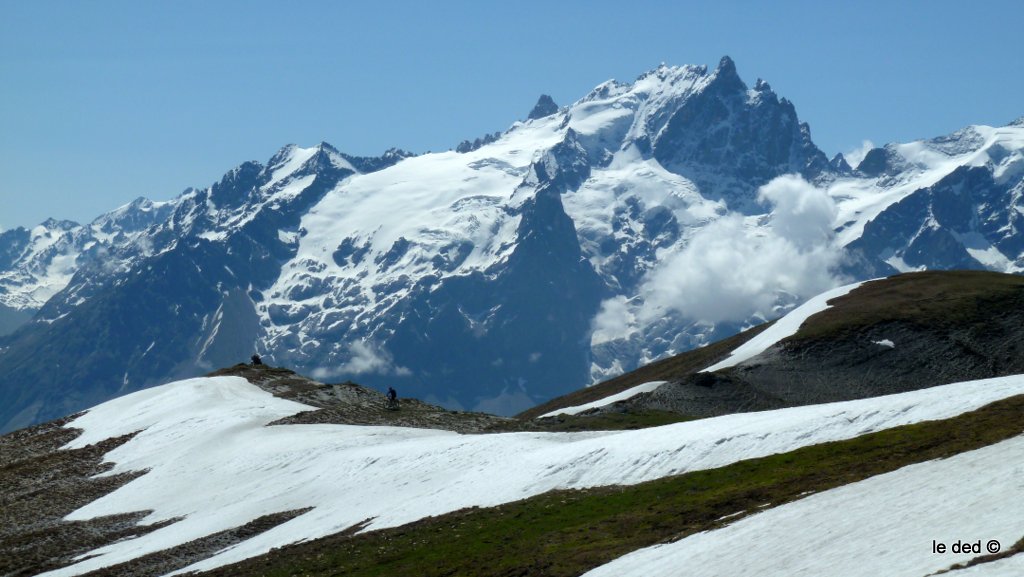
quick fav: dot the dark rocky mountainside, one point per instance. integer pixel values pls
(349, 403)
(753, 132)
(898, 334)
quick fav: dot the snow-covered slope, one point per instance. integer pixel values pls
(212, 462)
(889, 525)
(627, 394)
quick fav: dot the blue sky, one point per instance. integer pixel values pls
(104, 101)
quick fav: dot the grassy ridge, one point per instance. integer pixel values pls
(930, 298)
(565, 533)
(664, 370)
(937, 299)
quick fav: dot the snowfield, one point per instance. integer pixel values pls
(886, 526)
(214, 463)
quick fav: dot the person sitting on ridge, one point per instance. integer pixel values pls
(256, 360)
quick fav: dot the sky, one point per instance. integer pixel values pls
(105, 101)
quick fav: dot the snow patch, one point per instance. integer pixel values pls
(785, 327)
(628, 393)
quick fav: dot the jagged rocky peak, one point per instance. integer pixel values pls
(470, 146)
(325, 158)
(397, 153)
(880, 161)
(545, 107)
(293, 160)
(55, 224)
(325, 153)
(726, 76)
(325, 146)
(725, 82)
(730, 139)
(53, 228)
(566, 162)
(367, 164)
(968, 139)
(236, 187)
(676, 84)
(664, 72)
(607, 89)
(840, 165)
(283, 155)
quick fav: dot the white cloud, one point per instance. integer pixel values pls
(615, 320)
(801, 214)
(365, 358)
(737, 267)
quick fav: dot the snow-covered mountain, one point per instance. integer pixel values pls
(951, 202)
(642, 220)
(200, 474)
(37, 264)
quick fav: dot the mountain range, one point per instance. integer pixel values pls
(257, 470)
(644, 219)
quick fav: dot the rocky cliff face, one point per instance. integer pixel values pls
(748, 136)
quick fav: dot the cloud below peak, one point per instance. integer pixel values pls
(737, 267)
